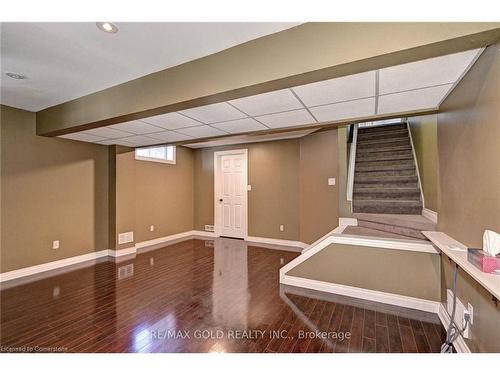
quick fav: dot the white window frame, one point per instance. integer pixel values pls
(157, 160)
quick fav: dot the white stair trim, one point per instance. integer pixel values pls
(361, 293)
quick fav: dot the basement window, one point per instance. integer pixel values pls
(159, 154)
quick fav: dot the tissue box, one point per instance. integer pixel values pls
(483, 261)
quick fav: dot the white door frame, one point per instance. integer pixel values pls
(217, 211)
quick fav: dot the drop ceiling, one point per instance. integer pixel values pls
(416, 86)
(64, 61)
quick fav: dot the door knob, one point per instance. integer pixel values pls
(220, 199)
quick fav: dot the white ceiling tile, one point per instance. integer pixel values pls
(170, 136)
(412, 100)
(214, 113)
(83, 136)
(344, 110)
(271, 102)
(137, 127)
(335, 90)
(202, 131)
(285, 119)
(107, 132)
(171, 121)
(122, 142)
(138, 140)
(425, 73)
(240, 126)
(107, 142)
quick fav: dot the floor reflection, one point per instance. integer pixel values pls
(230, 286)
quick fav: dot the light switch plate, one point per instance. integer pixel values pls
(151, 228)
(55, 244)
(249, 187)
(331, 181)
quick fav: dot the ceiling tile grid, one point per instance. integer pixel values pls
(420, 85)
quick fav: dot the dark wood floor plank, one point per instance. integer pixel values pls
(395, 344)
(368, 345)
(369, 324)
(420, 337)
(382, 339)
(407, 339)
(356, 344)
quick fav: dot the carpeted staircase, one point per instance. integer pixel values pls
(385, 178)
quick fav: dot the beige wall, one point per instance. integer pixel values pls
(424, 135)
(319, 202)
(402, 272)
(273, 172)
(52, 189)
(486, 328)
(469, 156)
(149, 193)
(164, 196)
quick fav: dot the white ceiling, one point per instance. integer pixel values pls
(421, 85)
(64, 61)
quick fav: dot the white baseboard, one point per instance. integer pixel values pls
(279, 242)
(429, 214)
(366, 294)
(29, 271)
(44, 267)
(459, 344)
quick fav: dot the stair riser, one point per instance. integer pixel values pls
(385, 168)
(383, 180)
(407, 154)
(379, 163)
(379, 185)
(414, 233)
(387, 134)
(382, 128)
(388, 195)
(384, 149)
(394, 172)
(387, 210)
(383, 142)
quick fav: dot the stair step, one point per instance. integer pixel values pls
(394, 163)
(384, 179)
(410, 184)
(384, 148)
(385, 134)
(408, 221)
(387, 206)
(390, 172)
(384, 141)
(375, 167)
(383, 153)
(394, 229)
(369, 232)
(382, 128)
(387, 193)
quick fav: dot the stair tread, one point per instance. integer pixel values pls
(399, 125)
(386, 190)
(383, 140)
(369, 232)
(384, 149)
(417, 222)
(409, 202)
(375, 135)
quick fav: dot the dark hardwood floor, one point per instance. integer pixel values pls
(198, 296)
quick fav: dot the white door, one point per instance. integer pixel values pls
(231, 194)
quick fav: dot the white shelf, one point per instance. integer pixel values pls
(444, 242)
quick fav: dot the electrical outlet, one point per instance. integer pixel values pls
(282, 228)
(151, 261)
(55, 244)
(209, 228)
(56, 292)
(151, 228)
(470, 309)
(331, 181)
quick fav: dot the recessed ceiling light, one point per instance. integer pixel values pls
(15, 75)
(107, 27)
